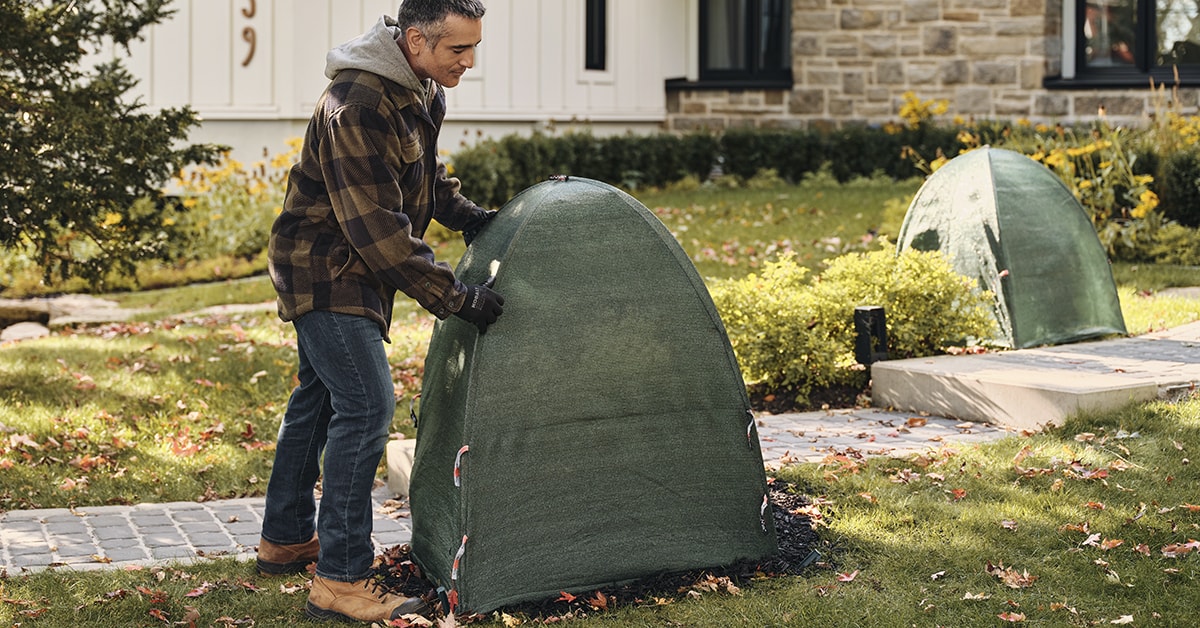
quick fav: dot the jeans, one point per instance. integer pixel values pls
(342, 408)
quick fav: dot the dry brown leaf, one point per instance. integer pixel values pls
(1011, 577)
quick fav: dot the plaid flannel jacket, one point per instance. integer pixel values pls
(358, 202)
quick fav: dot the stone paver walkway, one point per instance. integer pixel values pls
(105, 537)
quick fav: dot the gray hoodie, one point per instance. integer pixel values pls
(377, 52)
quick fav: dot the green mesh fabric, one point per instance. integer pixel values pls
(1008, 222)
(601, 426)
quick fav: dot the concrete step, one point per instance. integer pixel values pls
(1031, 388)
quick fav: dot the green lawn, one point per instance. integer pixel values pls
(179, 405)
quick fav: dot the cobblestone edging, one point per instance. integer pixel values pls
(116, 536)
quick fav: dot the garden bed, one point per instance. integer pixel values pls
(796, 553)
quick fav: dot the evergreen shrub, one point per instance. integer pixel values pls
(1179, 187)
(790, 333)
(493, 171)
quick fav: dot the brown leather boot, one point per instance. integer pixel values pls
(365, 600)
(275, 559)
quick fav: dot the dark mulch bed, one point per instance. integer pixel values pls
(779, 400)
(796, 553)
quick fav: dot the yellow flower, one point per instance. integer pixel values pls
(1041, 128)
(110, 219)
(1024, 122)
(1085, 184)
(937, 163)
(167, 222)
(1056, 158)
(190, 203)
(1149, 200)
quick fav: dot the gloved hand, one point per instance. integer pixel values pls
(482, 306)
(471, 231)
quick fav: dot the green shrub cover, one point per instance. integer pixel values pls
(1006, 221)
(599, 431)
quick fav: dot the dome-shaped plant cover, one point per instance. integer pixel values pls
(1006, 221)
(599, 432)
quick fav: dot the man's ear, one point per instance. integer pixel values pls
(414, 40)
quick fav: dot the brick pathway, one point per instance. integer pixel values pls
(115, 536)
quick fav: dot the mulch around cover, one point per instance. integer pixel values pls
(796, 553)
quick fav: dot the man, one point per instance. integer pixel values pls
(365, 189)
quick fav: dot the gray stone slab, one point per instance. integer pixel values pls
(121, 542)
(114, 532)
(126, 554)
(172, 551)
(198, 515)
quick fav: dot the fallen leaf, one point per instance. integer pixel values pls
(599, 601)
(916, 422)
(1008, 524)
(1108, 544)
(1123, 619)
(565, 597)
(937, 575)
(976, 596)
(958, 493)
(847, 577)
(1011, 577)
(1012, 617)
(1095, 505)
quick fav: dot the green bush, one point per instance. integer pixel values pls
(493, 171)
(792, 334)
(1179, 187)
(1176, 244)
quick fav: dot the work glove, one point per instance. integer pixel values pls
(482, 306)
(472, 230)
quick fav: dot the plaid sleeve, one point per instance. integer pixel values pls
(366, 166)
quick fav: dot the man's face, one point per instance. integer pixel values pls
(453, 54)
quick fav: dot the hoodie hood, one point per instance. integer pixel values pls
(376, 52)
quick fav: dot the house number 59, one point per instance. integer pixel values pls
(248, 33)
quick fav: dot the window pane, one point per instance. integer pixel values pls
(726, 36)
(596, 31)
(1178, 32)
(1109, 33)
(774, 50)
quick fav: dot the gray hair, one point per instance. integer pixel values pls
(429, 16)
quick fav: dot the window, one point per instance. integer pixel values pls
(596, 35)
(1127, 42)
(746, 42)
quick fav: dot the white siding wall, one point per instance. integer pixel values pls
(529, 69)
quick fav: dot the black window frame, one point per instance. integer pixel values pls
(1136, 75)
(595, 35)
(755, 76)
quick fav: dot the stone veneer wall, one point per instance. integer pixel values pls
(854, 59)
